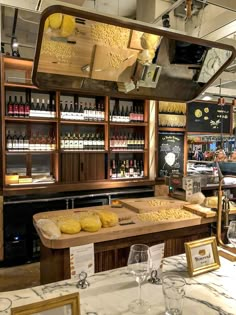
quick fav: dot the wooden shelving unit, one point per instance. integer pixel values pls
(71, 169)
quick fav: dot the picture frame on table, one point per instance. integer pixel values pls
(62, 305)
(202, 256)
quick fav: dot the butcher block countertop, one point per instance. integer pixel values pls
(117, 232)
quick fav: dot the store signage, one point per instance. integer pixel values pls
(208, 117)
(202, 256)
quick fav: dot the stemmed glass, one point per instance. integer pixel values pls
(231, 233)
(139, 267)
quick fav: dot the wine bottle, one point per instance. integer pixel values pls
(62, 142)
(76, 111)
(32, 108)
(81, 142)
(126, 115)
(90, 142)
(86, 112)
(25, 141)
(114, 169)
(94, 142)
(16, 108)
(122, 114)
(66, 110)
(141, 168)
(27, 109)
(90, 112)
(43, 112)
(71, 141)
(81, 112)
(9, 141)
(15, 144)
(131, 169)
(37, 108)
(127, 168)
(102, 142)
(20, 142)
(66, 142)
(53, 109)
(122, 169)
(71, 115)
(10, 106)
(75, 142)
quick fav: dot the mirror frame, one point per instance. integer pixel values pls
(133, 25)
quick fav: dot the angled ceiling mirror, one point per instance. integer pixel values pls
(82, 51)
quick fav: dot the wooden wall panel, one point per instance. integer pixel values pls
(1, 229)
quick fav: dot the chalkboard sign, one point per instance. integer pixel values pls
(208, 117)
(170, 153)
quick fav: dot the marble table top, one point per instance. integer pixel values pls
(110, 292)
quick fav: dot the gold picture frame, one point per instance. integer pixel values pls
(202, 256)
(61, 305)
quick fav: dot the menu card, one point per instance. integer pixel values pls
(82, 259)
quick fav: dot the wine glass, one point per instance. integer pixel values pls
(139, 267)
(231, 233)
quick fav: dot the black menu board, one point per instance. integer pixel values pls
(208, 117)
(170, 153)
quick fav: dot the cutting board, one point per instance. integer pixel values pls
(113, 64)
(199, 210)
(204, 211)
(141, 205)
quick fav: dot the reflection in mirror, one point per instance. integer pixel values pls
(99, 55)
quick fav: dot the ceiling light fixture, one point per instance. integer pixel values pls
(15, 43)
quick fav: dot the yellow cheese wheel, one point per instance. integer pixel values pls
(69, 226)
(55, 20)
(108, 218)
(91, 223)
(68, 25)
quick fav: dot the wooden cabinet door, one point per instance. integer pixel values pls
(70, 167)
(76, 167)
(92, 166)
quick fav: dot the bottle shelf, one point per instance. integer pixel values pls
(129, 124)
(83, 151)
(20, 85)
(128, 151)
(16, 152)
(127, 178)
(82, 122)
(29, 119)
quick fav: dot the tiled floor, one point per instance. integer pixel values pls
(20, 277)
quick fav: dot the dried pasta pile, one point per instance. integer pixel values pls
(62, 52)
(171, 107)
(110, 35)
(163, 215)
(172, 120)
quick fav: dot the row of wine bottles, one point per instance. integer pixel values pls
(86, 141)
(127, 142)
(126, 169)
(36, 142)
(130, 114)
(86, 112)
(25, 109)
(73, 111)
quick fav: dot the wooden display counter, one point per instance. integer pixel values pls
(112, 244)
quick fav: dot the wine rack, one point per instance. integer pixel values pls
(83, 141)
